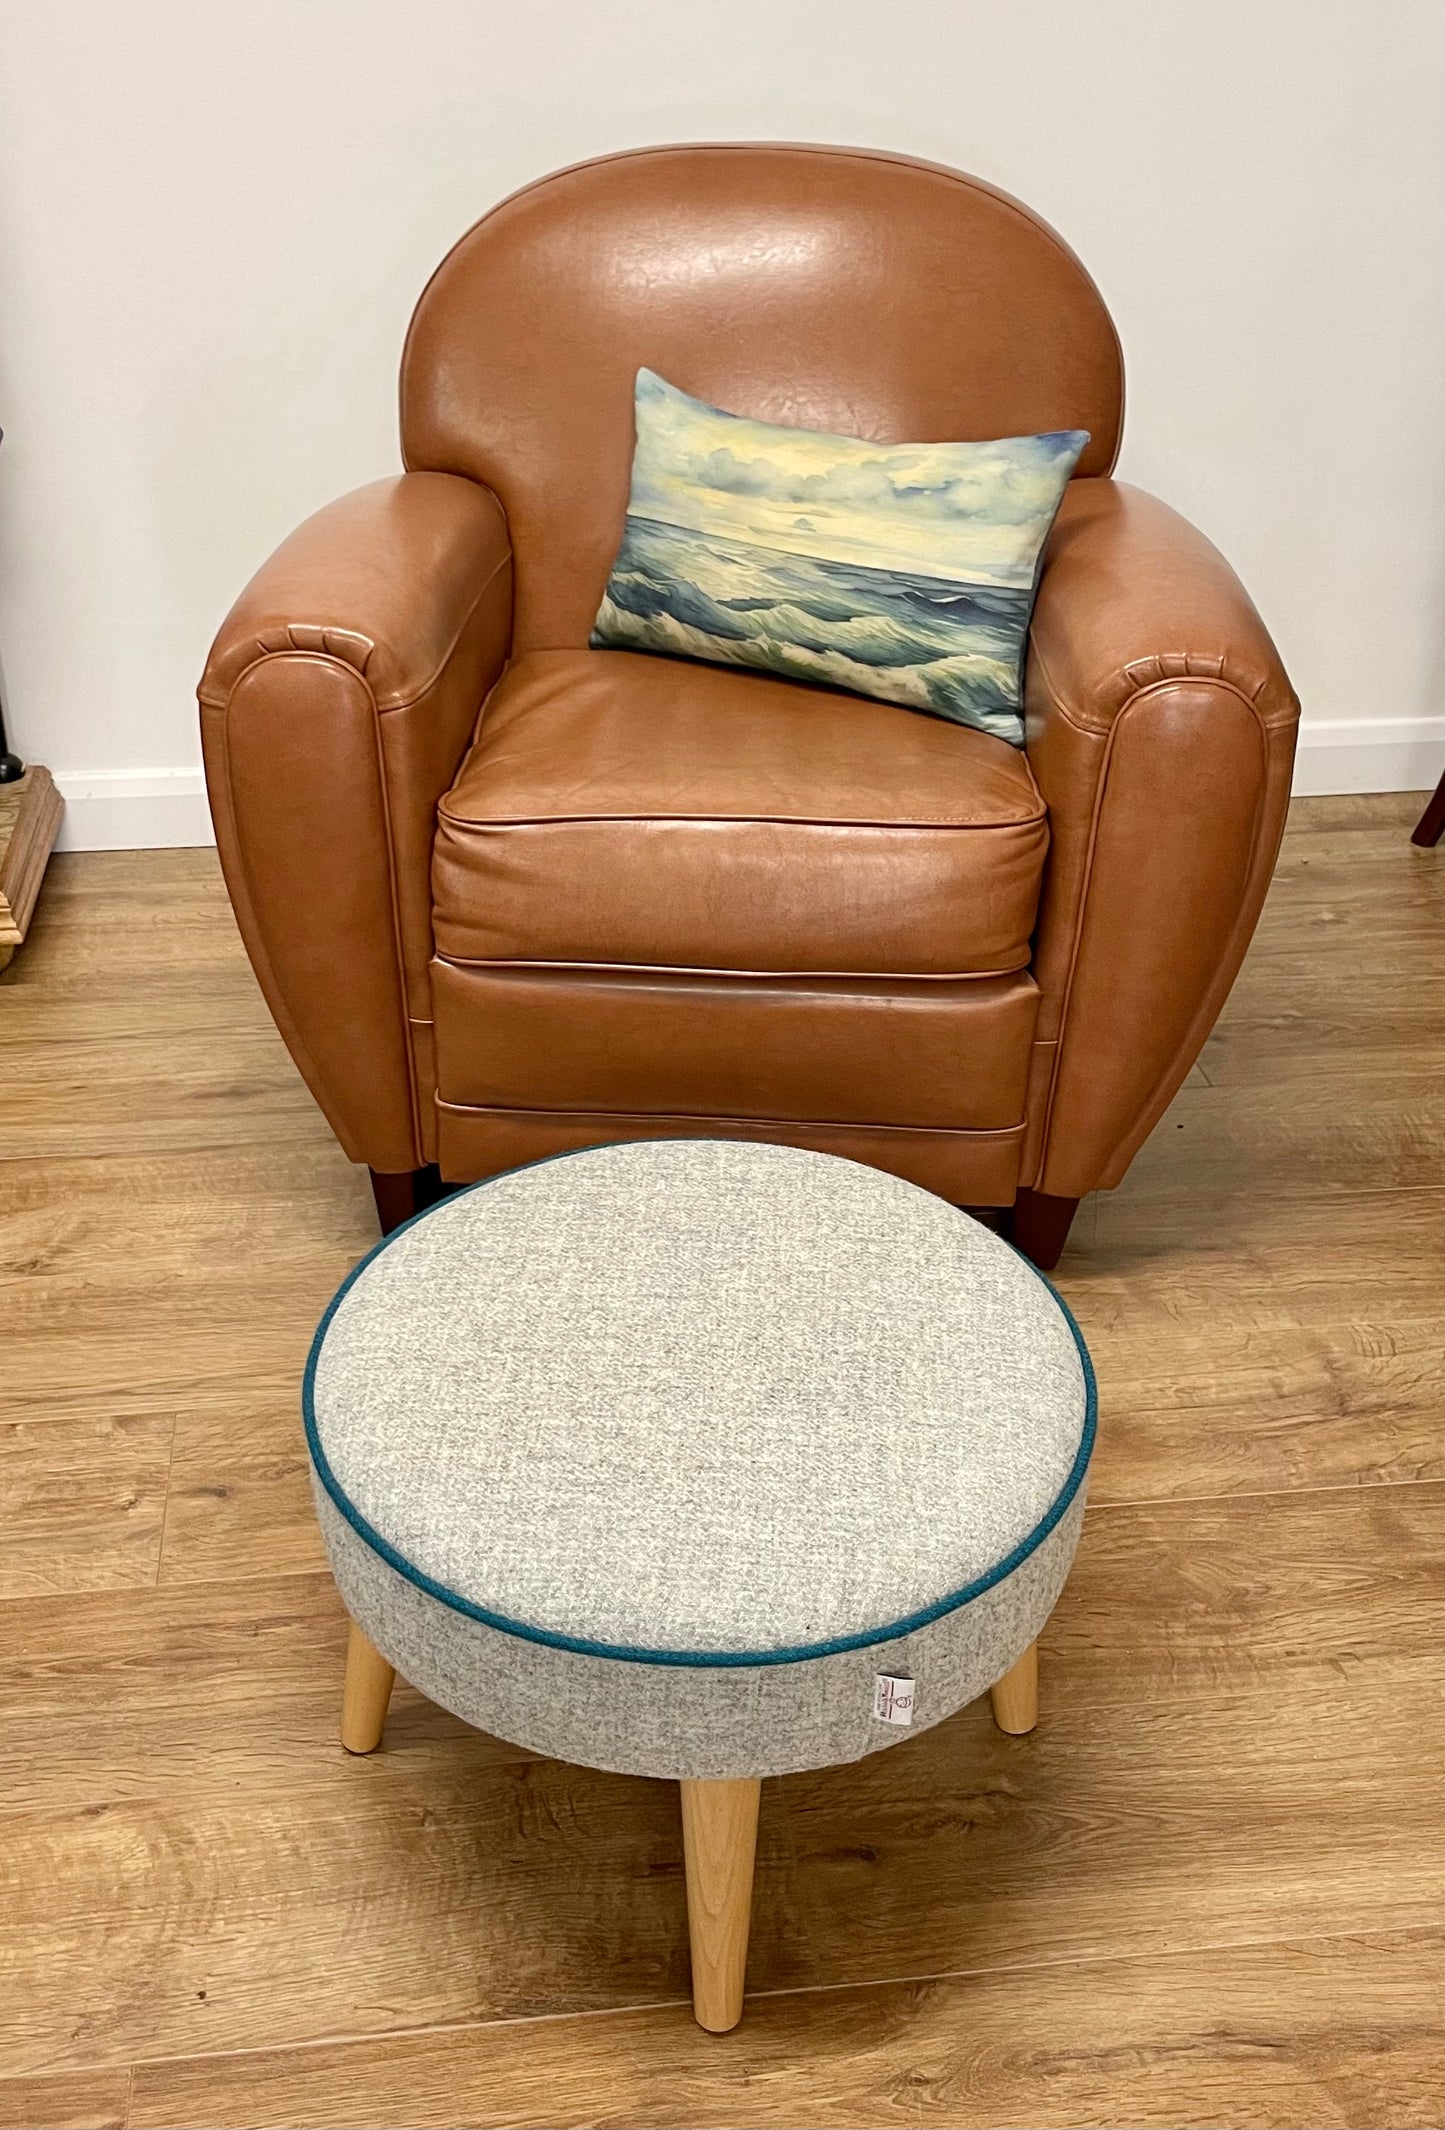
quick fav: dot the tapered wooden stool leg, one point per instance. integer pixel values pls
(365, 1695)
(1016, 1696)
(719, 1840)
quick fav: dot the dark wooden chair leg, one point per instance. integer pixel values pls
(400, 1197)
(1431, 825)
(1040, 1227)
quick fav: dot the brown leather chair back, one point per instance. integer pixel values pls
(835, 288)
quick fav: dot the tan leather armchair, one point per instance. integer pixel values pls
(639, 896)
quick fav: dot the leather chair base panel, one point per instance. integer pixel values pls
(941, 1056)
(967, 1168)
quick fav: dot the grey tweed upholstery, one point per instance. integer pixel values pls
(655, 1457)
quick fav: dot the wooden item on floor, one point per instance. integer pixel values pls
(1016, 1696)
(719, 1843)
(399, 1198)
(719, 1832)
(1431, 825)
(1039, 1226)
(30, 811)
(366, 1694)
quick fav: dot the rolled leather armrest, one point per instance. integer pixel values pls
(336, 705)
(1160, 731)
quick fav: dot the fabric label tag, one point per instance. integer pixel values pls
(892, 1698)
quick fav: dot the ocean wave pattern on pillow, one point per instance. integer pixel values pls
(906, 572)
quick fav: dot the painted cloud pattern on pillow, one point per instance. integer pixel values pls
(901, 571)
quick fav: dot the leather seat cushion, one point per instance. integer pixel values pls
(618, 810)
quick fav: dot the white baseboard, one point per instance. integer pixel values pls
(133, 809)
(152, 809)
(1369, 754)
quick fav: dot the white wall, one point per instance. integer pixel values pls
(215, 216)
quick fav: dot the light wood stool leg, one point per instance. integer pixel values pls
(719, 1840)
(365, 1695)
(1016, 1696)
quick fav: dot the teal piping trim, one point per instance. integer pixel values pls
(624, 1652)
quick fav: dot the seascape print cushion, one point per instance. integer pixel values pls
(902, 571)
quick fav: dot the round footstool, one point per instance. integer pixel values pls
(699, 1459)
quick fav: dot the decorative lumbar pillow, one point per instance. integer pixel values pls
(902, 571)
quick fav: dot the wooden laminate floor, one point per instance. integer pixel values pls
(1210, 1889)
